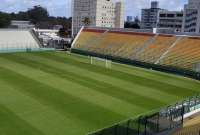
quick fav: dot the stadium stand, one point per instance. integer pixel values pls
(123, 47)
(153, 51)
(87, 38)
(179, 54)
(185, 54)
(113, 43)
(191, 126)
(190, 130)
(17, 39)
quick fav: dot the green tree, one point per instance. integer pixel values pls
(62, 33)
(38, 14)
(87, 21)
(22, 16)
(5, 20)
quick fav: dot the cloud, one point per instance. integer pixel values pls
(63, 7)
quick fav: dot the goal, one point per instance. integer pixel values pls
(100, 62)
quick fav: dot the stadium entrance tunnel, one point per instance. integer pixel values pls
(163, 122)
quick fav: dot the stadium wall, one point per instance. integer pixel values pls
(14, 40)
(14, 50)
(121, 29)
(167, 69)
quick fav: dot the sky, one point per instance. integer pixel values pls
(63, 7)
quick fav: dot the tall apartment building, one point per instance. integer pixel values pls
(171, 20)
(119, 15)
(149, 16)
(99, 13)
(191, 17)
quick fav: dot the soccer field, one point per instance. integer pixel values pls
(55, 93)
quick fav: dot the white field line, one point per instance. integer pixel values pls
(168, 50)
(77, 36)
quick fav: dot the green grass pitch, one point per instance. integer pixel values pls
(54, 93)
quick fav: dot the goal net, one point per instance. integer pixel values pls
(100, 62)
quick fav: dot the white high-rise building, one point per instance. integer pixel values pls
(119, 15)
(98, 13)
(191, 17)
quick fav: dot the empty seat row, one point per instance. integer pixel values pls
(168, 50)
(185, 54)
(112, 43)
(155, 50)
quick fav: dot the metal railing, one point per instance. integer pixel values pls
(164, 120)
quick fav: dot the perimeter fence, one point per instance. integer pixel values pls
(22, 47)
(161, 122)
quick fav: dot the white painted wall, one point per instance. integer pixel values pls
(17, 39)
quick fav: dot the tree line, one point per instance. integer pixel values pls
(40, 17)
(37, 15)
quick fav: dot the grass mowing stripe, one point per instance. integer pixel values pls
(11, 124)
(96, 85)
(28, 75)
(158, 77)
(65, 104)
(130, 86)
(83, 58)
(151, 74)
(84, 93)
(42, 117)
(162, 77)
(170, 89)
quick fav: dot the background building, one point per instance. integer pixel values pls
(129, 18)
(99, 13)
(21, 24)
(170, 19)
(119, 15)
(191, 20)
(149, 17)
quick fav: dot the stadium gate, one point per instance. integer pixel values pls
(162, 122)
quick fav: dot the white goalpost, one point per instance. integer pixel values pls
(100, 62)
